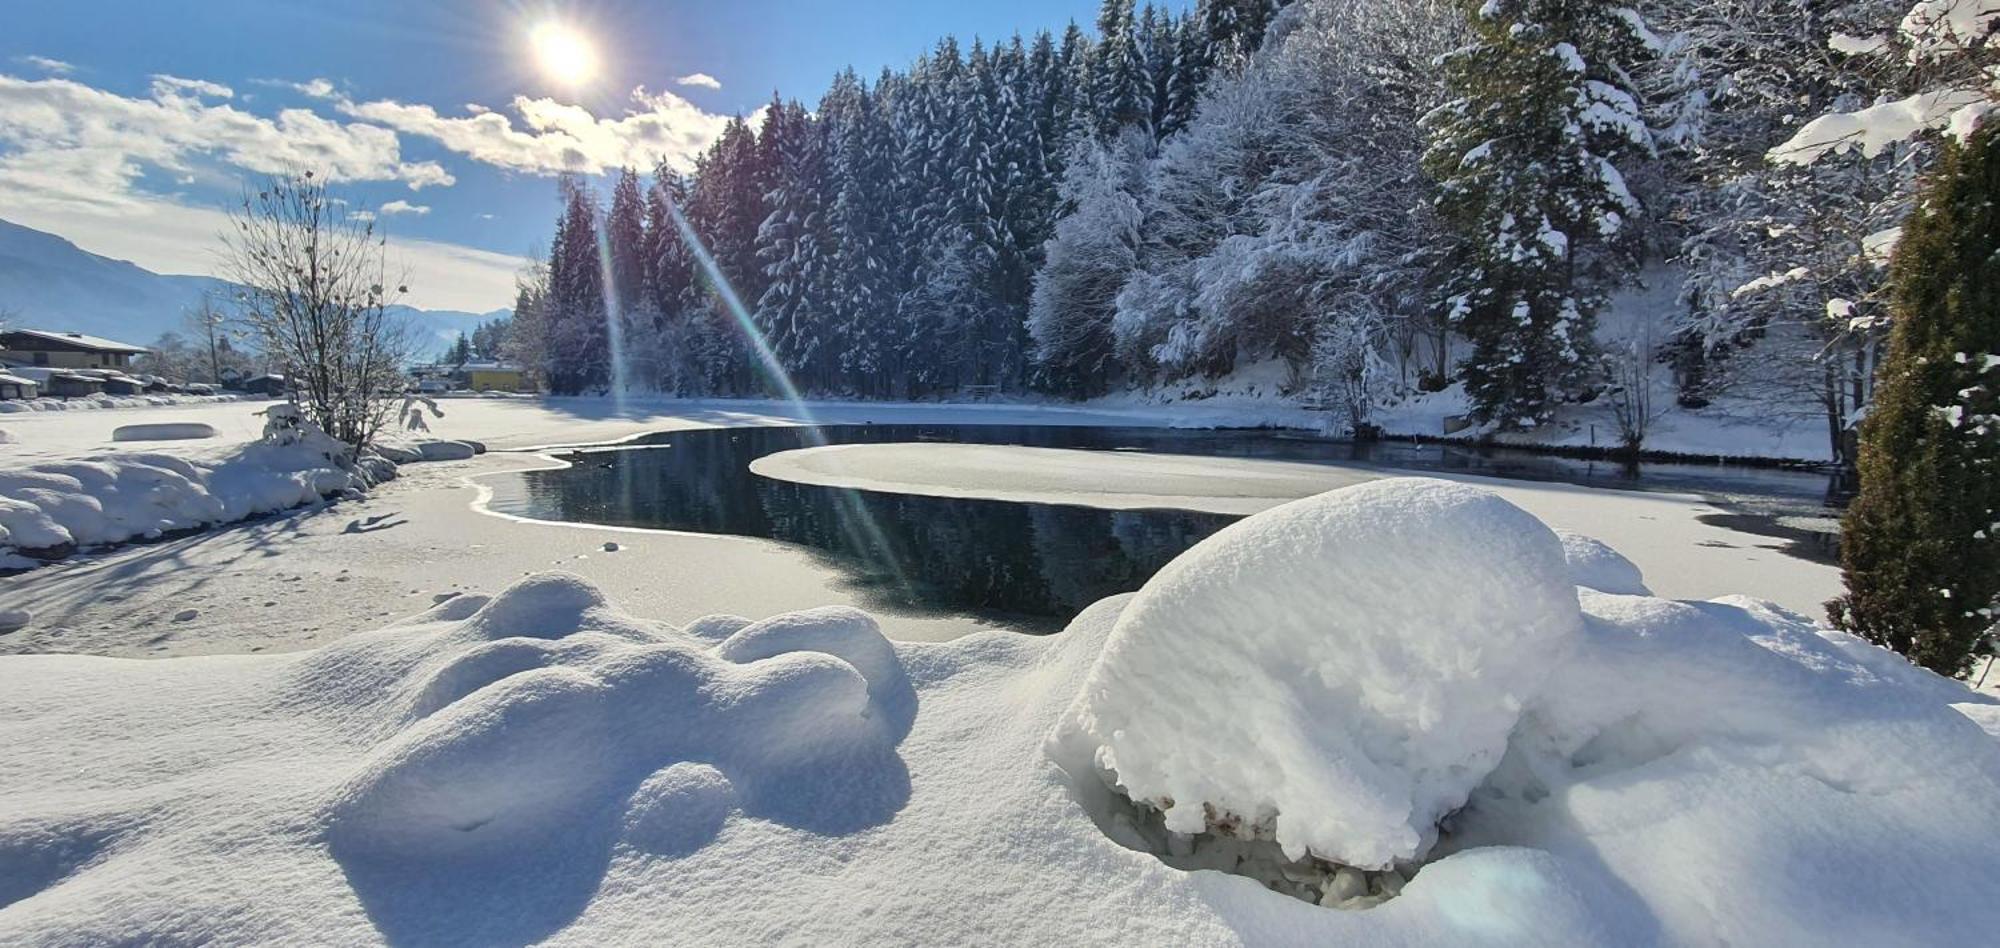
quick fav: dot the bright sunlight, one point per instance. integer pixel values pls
(563, 54)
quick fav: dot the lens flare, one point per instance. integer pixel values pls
(861, 529)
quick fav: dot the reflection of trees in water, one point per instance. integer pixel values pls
(1034, 561)
(1038, 562)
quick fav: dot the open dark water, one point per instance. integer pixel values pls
(1035, 565)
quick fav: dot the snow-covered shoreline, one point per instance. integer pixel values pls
(492, 770)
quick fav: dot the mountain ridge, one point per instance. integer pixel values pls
(48, 282)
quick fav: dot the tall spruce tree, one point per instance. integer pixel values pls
(1118, 93)
(576, 325)
(625, 241)
(1920, 546)
(792, 241)
(1527, 158)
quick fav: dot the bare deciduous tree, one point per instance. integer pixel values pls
(207, 324)
(317, 294)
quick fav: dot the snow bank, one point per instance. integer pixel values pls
(539, 767)
(52, 509)
(1337, 673)
(164, 431)
(100, 402)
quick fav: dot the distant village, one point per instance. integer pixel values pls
(61, 365)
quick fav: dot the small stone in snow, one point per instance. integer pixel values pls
(610, 547)
(186, 615)
(14, 620)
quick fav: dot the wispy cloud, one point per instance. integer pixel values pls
(556, 137)
(404, 207)
(54, 67)
(316, 88)
(66, 144)
(701, 80)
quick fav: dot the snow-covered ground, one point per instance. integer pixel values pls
(541, 765)
(1664, 533)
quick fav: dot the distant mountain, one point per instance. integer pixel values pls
(47, 282)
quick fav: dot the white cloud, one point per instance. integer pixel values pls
(363, 216)
(68, 145)
(168, 237)
(165, 87)
(54, 67)
(405, 207)
(555, 137)
(701, 79)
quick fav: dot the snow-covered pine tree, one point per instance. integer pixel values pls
(1190, 75)
(1527, 158)
(861, 153)
(792, 312)
(1920, 546)
(577, 351)
(625, 240)
(1118, 93)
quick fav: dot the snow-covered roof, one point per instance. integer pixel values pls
(8, 379)
(79, 339)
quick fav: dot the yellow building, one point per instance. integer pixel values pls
(495, 377)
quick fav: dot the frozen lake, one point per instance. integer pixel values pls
(1035, 564)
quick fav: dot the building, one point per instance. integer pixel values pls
(15, 386)
(270, 385)
(65, 350)
(495, 377)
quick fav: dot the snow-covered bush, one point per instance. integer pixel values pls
(1335, 674)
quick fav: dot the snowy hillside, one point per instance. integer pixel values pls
(47, 282)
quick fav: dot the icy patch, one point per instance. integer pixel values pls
(1336, 674)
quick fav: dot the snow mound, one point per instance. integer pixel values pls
(1593, 564)
(1337, 673)
(164, 431)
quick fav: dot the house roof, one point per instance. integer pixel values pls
(77, 339)
(6, 379)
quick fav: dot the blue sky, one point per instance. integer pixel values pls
(128, 126)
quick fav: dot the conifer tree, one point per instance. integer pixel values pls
(791, 240)
(1527, 158)
(1920, 546)
(625, 240)
(1118, 72)
(575, 324)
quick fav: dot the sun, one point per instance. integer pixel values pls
(563, 54)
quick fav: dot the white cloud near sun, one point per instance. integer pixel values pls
(88, 162)
(66, 144)
(554, 137)
(700, 80)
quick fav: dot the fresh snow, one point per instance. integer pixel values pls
(541, 766)
(1306, 673)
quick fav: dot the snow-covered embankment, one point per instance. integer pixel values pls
(1393, 697)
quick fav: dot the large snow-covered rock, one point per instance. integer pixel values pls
(1338, 672)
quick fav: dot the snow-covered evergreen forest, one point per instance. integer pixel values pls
(1388, 198)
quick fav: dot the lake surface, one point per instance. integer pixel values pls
(1035, 565)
